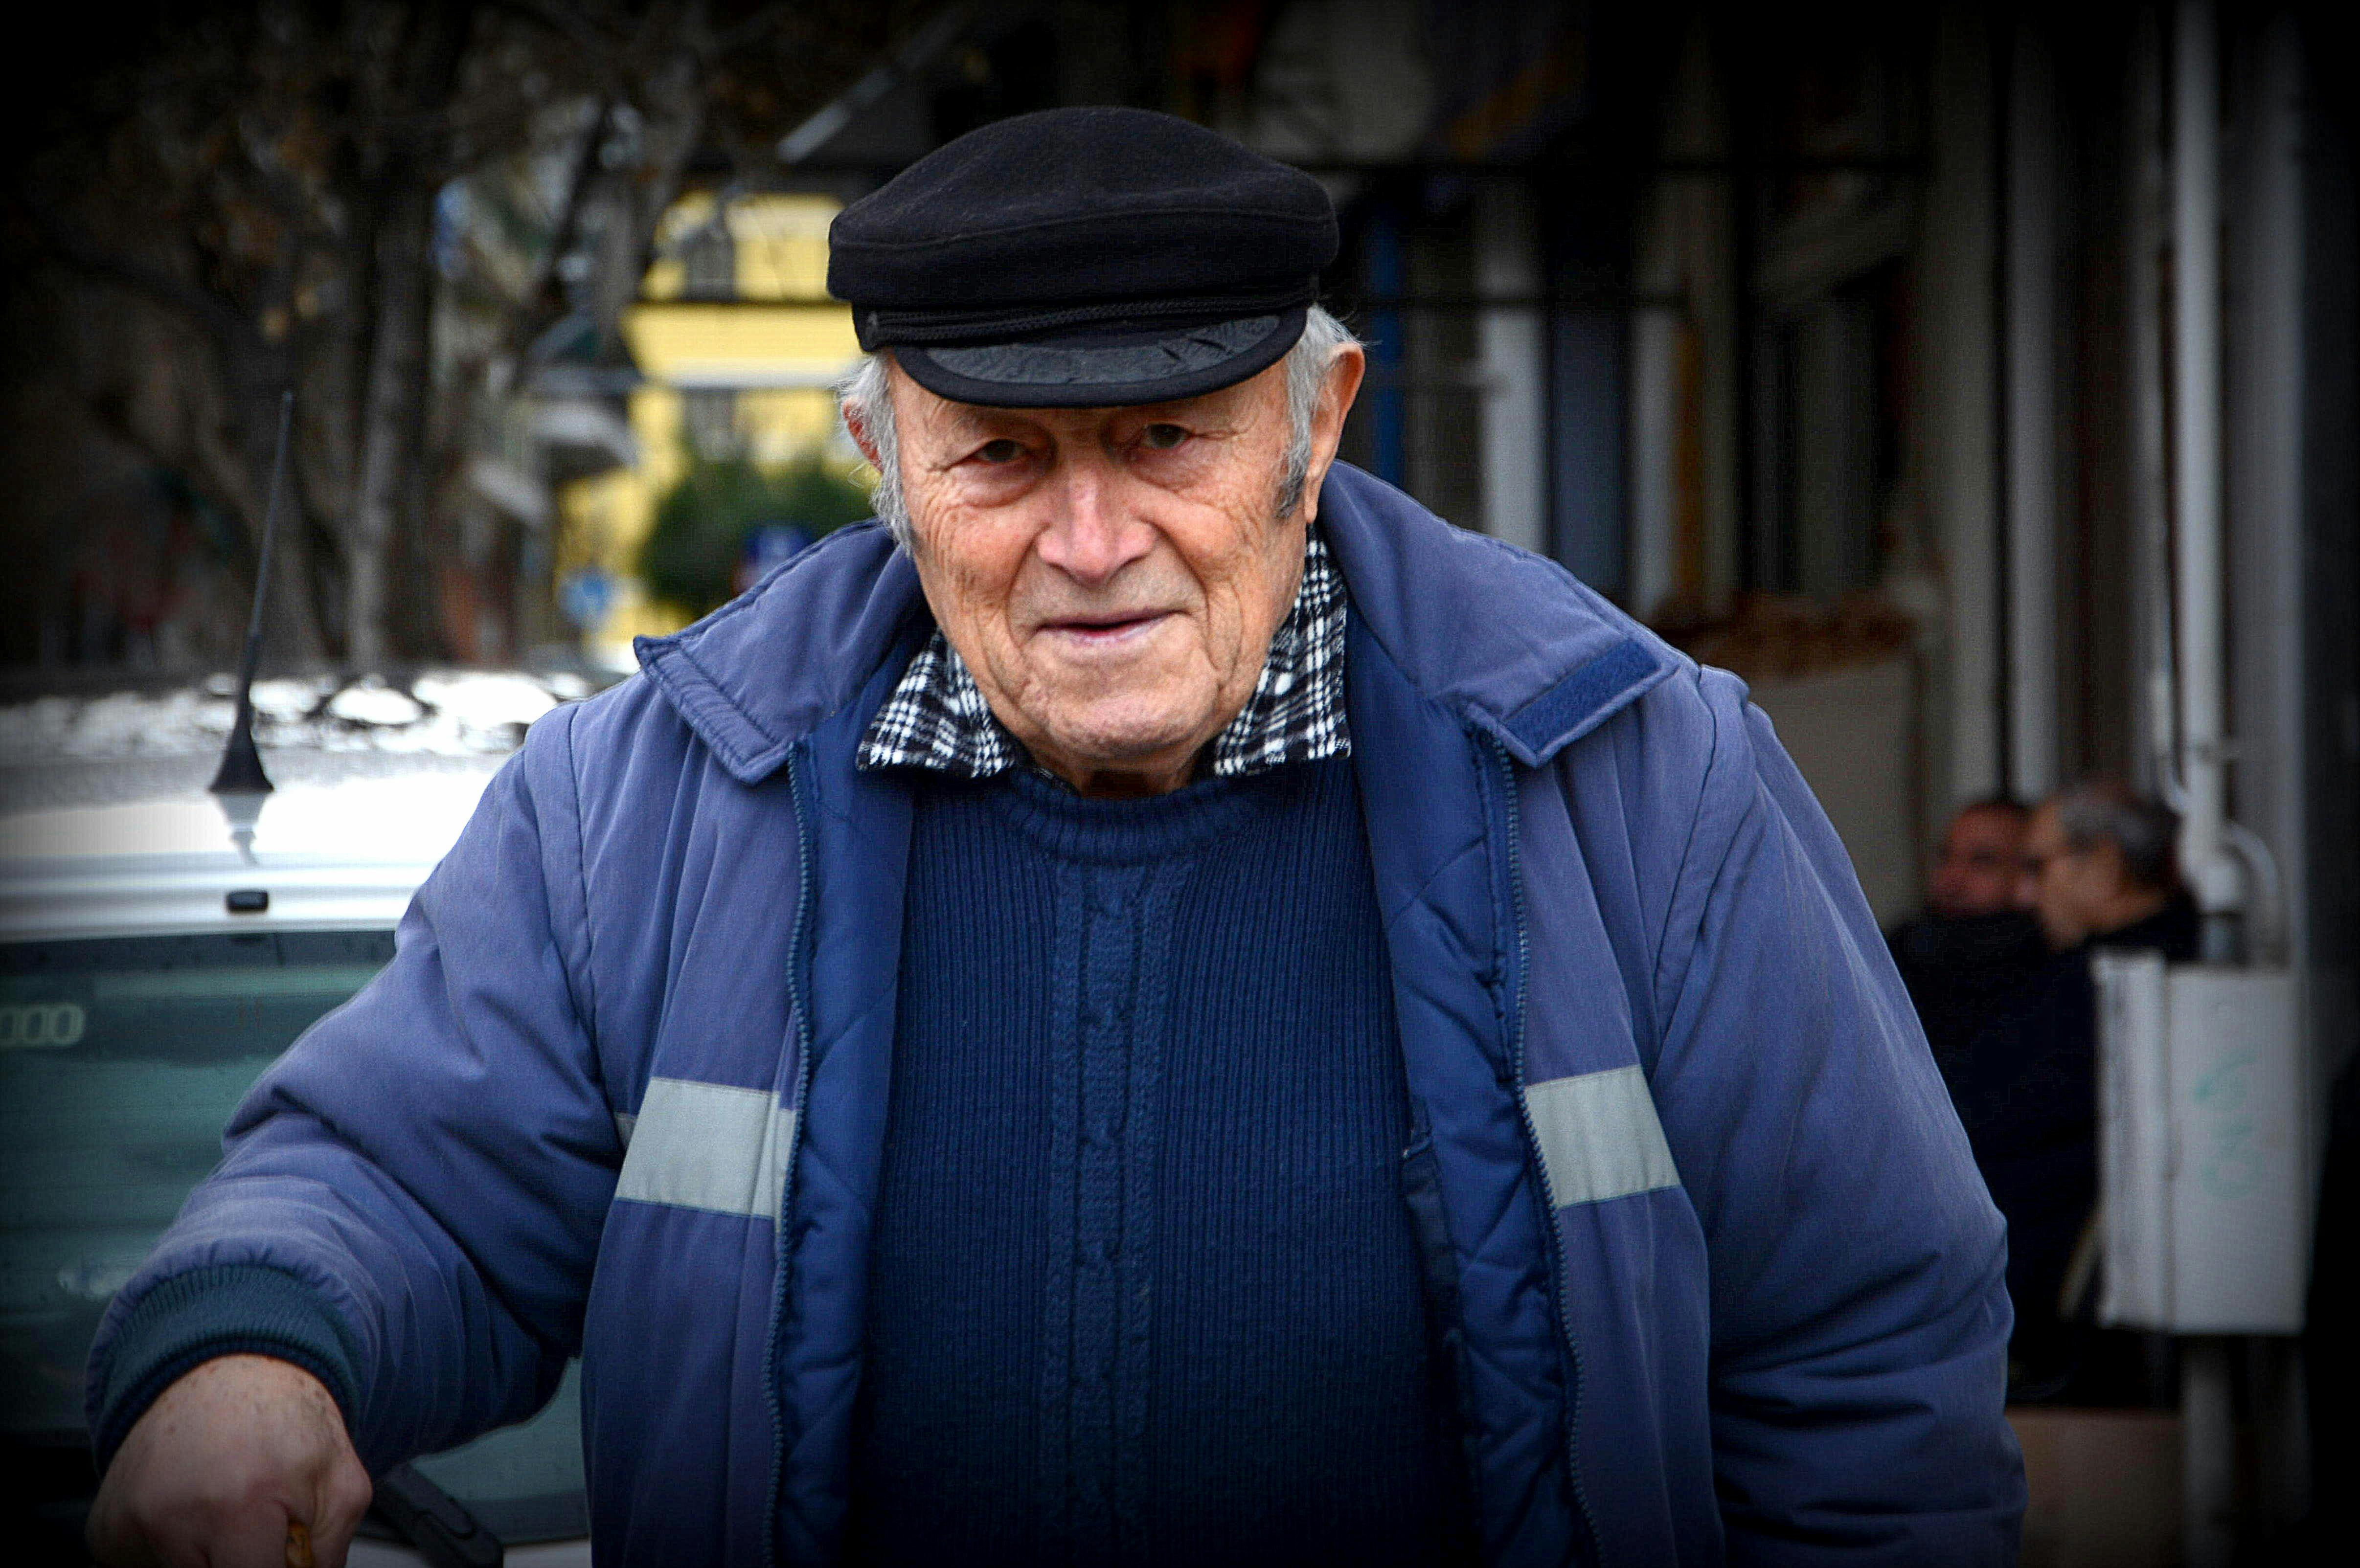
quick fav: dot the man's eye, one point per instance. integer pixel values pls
(1001, 450)
(1163, 437)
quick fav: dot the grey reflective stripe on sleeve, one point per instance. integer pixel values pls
(706, 1146)
(1598, 1137)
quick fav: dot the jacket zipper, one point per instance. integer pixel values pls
(798, 999)
(1560, 1267)
(798, 993)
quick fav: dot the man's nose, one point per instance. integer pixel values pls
(1091, 538)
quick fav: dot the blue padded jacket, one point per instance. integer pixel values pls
(1725, 1284)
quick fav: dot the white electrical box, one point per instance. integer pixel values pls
(2201, 1158)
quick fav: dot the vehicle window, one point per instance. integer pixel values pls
(120, 1062)
(523, 1481)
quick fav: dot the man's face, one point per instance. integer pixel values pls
(1982, 859)
(2070, 890)
(1112, 576)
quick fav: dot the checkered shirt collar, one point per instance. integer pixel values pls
(937, 718)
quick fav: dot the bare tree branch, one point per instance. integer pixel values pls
(153, 283)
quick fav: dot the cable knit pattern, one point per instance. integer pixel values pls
(1143, 1286)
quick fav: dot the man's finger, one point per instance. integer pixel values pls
(112, 1539)
(255, 1538)
(343, 1501)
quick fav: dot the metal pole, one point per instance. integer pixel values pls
(2212, 872)
(1384, 257)
(2208, 1435)
(2031, 418)
(1511, 347)
(2155, 757)
(2208, 1454)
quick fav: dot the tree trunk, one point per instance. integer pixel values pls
(386, 526)
(672, 119)
(393, 415)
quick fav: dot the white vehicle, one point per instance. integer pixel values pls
(152, 964)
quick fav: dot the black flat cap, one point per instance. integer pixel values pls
(1084, 257)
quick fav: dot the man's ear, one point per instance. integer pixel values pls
(1335, 395)
(856, 425)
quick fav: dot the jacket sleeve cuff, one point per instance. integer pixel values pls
(236, 1310)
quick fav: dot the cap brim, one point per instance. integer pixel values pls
(1105, 370)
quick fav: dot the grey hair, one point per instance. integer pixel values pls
(866, 396)
(2101, 812)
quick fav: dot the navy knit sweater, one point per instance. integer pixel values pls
(1143, 1285)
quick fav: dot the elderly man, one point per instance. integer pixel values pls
(1973, 948)
(2100, 870)
(1161, 1004)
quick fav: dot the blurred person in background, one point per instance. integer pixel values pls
(1974, 946)
(2097, 871)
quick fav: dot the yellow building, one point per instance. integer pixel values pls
(740, 347)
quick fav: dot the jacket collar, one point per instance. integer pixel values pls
(1508, 640)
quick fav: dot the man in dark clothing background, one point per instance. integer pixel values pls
(2098, 871)
(1974, 947)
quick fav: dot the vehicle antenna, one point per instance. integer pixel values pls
(241, 765)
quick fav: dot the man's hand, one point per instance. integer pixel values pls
(222, 1464)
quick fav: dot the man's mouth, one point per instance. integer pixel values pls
(1103, 631)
